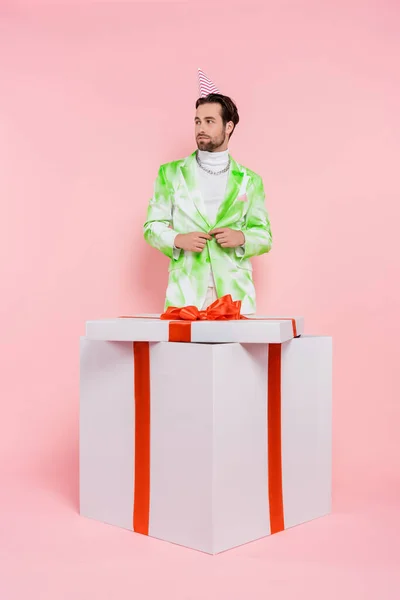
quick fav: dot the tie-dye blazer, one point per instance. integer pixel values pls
(178, 207)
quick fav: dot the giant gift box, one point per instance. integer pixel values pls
(208, 444)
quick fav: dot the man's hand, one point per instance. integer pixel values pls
(192, 242)
(228, 238)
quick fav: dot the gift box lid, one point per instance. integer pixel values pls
(151, 328)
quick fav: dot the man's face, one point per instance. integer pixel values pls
(210, 130)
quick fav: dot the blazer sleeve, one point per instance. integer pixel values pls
(157, 230)
(257, 229)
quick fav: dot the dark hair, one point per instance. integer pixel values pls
(229, 111)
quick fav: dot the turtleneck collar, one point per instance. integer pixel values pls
(213, 159)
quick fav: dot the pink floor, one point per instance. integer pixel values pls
(48, 552)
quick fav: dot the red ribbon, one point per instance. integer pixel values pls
(223, 309)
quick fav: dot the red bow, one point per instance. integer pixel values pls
(223, 309)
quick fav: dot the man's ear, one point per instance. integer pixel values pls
(229, 127)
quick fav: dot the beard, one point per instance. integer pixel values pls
(211, 144)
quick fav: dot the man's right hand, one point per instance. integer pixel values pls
(192, 242)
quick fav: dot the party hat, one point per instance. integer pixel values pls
(206, 86)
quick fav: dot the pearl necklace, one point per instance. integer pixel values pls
(224, 170)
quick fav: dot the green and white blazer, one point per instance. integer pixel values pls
(178, 207)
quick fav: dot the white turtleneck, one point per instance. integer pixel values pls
(212, 187)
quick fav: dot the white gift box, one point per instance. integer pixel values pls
(205, 445)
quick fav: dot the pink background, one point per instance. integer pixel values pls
(93, 97)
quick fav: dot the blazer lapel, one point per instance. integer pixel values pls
(232, 190)
(189, 175)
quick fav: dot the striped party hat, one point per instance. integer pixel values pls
(206, 86)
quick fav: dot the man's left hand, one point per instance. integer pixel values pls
(228, 238)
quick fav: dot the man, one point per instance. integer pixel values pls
(208, 213)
